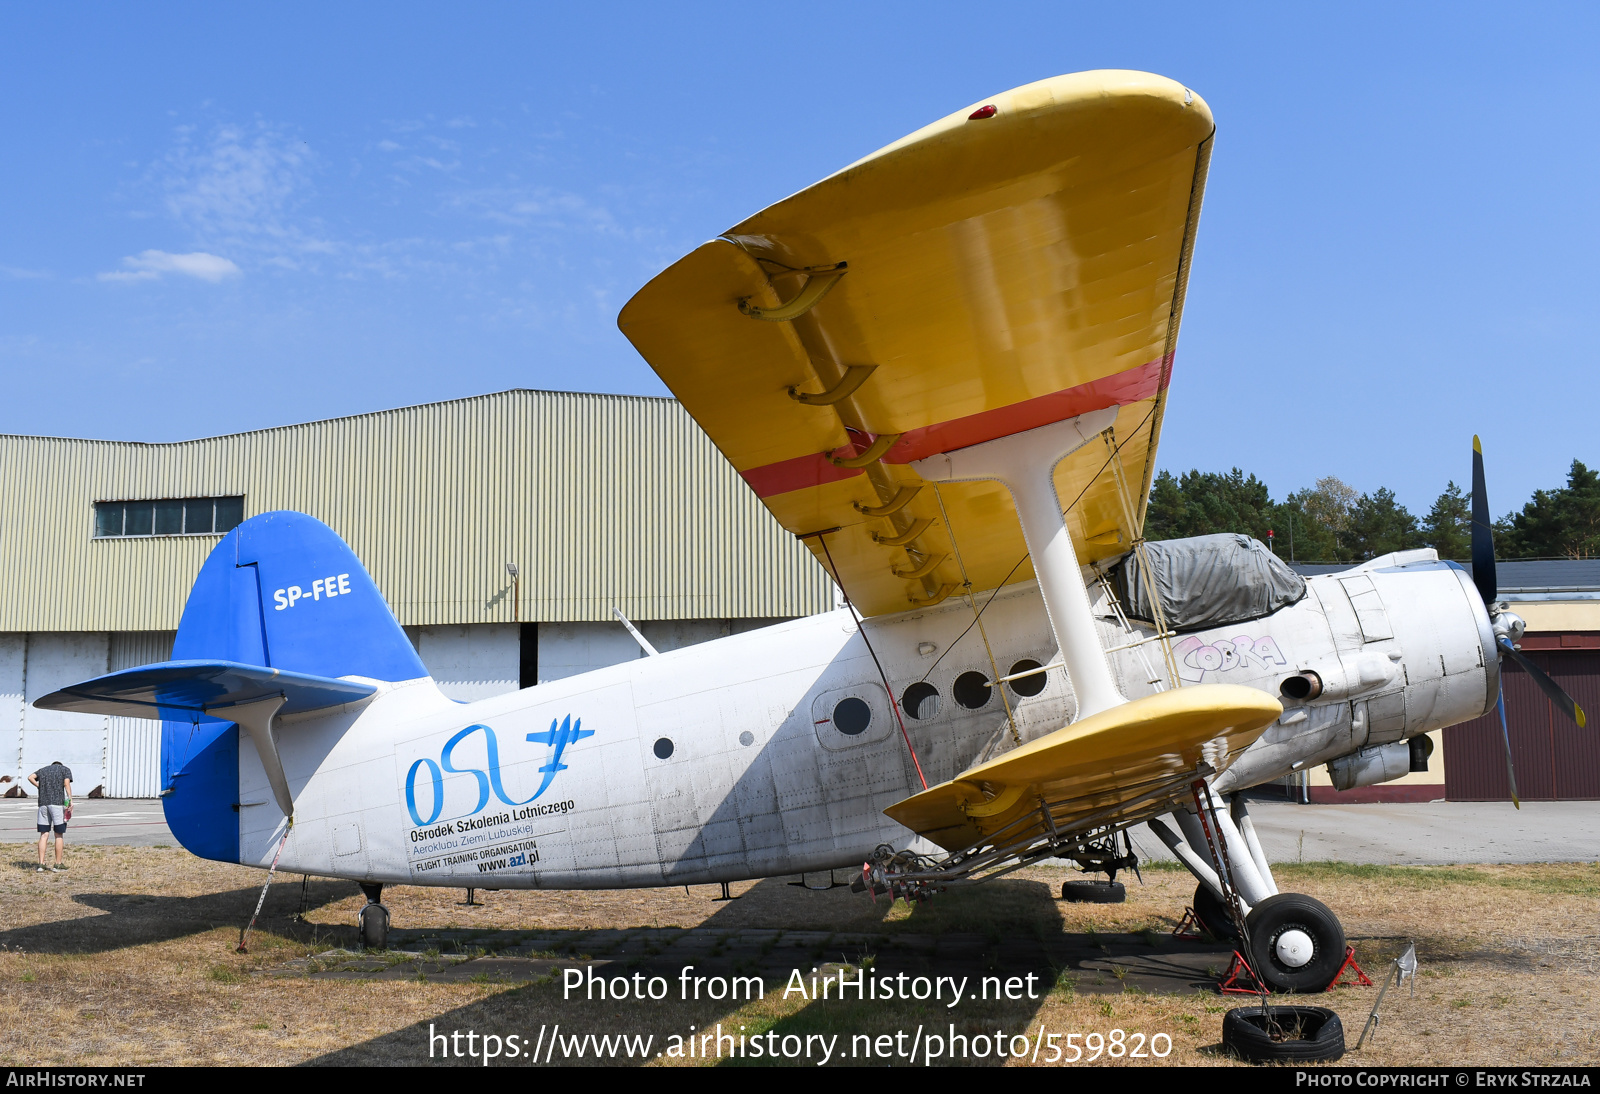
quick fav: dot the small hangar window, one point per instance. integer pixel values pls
(167, 517)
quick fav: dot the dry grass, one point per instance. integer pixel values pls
(128, 959)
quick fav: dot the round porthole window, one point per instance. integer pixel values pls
(921, 700)
(1028, 685)
(972, 690)
(852, 716)
(747, 738)
(663, 748)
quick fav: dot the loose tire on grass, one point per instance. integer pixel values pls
(1214, 914)
(1094, 892)
(1316, 1034)
(1296, 943)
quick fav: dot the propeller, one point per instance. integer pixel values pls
(1507, 627)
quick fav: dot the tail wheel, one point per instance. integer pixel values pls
(372, 927)
(1296, 943)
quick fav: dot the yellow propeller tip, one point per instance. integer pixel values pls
(1476, 447)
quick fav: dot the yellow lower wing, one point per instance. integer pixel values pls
(1081, 772)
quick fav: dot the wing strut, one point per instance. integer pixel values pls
(1025, 464)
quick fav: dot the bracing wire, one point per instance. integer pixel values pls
(977, 619)
(894, 703)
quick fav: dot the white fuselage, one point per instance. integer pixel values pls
(725, 760)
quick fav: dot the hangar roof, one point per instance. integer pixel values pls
(600, 500)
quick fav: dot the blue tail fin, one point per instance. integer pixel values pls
(283, 591)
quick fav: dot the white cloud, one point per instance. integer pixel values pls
(151, 265)
(244, 187)
(538, 208)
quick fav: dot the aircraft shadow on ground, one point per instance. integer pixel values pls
(1011, 928)
(123, 920)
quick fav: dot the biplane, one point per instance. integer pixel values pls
(945, 368)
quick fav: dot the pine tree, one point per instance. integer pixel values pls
(1302, 534)
(1561, 523)
(1166, 515)
(1448, 526)
(1204, 502)
(1378, 524)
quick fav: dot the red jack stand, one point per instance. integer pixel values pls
(1350, 964)
(1189, 927)
(1238, 969)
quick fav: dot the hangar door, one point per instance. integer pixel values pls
(1555, 760)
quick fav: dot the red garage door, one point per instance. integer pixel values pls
(1555, 760)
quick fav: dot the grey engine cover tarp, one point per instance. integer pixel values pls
(1207, 581)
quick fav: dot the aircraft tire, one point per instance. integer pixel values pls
(1288, 921)
(1244, 1033)
(372, 927)
(1094, 892)
(1214, 914)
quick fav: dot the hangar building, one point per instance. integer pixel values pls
(504, 531)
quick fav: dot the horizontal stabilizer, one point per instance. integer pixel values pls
(200, 691)
(1096, 769)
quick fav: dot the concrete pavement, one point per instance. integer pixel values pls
(125, 822)
(1418, 834)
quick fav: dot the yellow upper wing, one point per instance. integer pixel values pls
(995, 271)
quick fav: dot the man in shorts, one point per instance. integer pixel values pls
(55, 791)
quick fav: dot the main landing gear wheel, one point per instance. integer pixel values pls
(1296, 943)
(1214, 914)
(1094, 892)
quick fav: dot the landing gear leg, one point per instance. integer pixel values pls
(1296, 943)
(372, 921)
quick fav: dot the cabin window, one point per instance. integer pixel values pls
(1028, 685)
(663, 749)
(167, 517)
(921, 701)
(852, 716)
(972, 690)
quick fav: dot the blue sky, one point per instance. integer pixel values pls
(402, 203)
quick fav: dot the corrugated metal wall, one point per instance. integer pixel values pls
(133, 745)
(601, 501)
(1554, 759)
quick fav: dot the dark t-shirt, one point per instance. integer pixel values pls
(53, 784)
